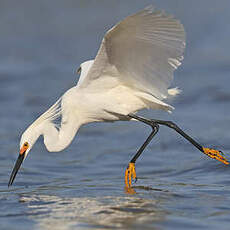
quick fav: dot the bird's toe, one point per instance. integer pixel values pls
(216, 154)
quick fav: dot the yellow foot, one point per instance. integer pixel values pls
(129, 190)
(130, 173)
(216, 154)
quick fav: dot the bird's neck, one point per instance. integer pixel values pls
(55, 139)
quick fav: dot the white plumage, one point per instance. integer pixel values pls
(132, 71)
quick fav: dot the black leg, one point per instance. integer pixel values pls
(215, 154)
(155, 128)
(171, 125)
(130, 171)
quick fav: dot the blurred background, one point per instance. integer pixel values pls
(42, 43)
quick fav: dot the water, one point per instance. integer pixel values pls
(42, 43)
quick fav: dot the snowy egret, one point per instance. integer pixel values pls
(133, 70)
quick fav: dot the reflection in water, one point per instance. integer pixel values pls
(104, 213)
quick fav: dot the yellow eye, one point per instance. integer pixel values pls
(24, 148)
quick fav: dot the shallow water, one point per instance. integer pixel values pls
(42, 43)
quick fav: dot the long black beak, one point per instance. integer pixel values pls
(16, 168)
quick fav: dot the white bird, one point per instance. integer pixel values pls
(133, 70)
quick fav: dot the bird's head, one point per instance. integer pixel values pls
(32, 133)
(84, 69)
(28, 139)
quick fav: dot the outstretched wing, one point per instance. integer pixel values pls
(142, 51)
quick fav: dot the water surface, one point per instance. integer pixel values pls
(42, 43)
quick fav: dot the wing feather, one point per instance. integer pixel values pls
(142, 51)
